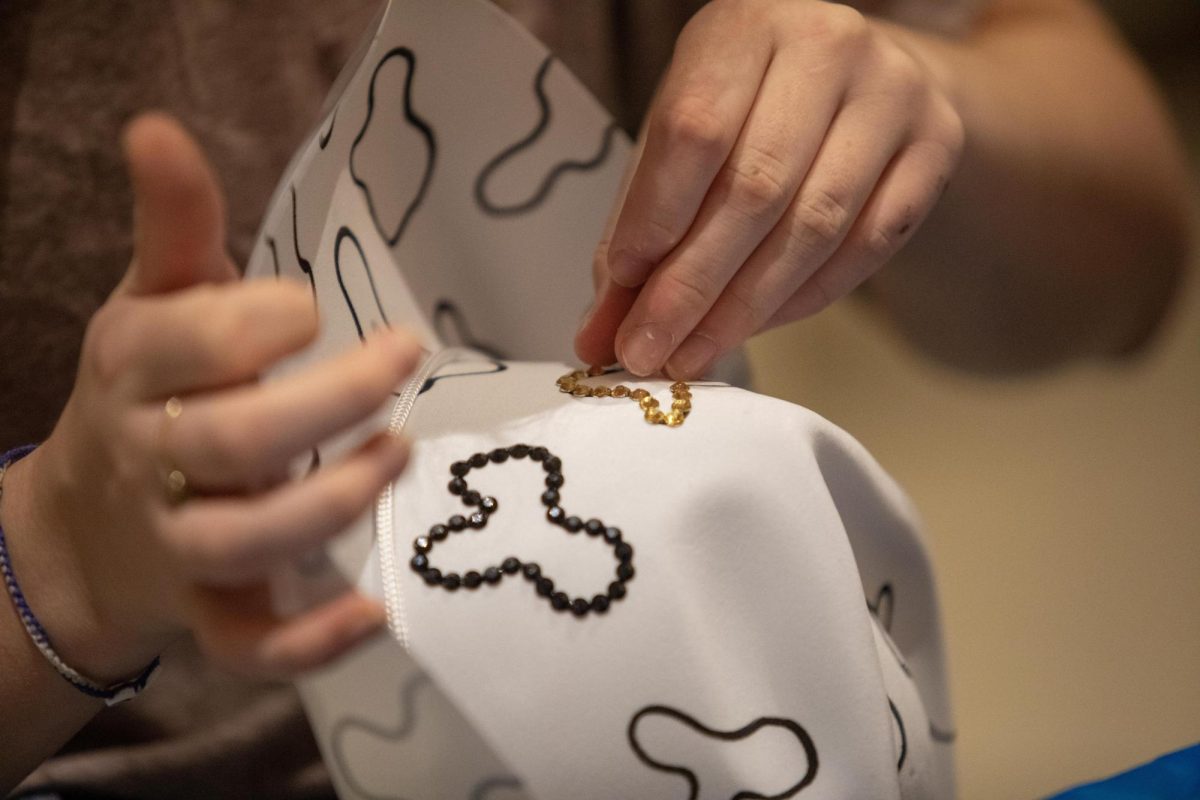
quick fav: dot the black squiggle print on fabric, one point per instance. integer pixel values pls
(941, 736)
(903, 735)
(810, 749)
(448, 318)
(557, 171)
(274, 254)
(884, 606)
(416, 122)
(345, 234)
(408, 721)
(487, 789)
(305, 264)
(323, 139)
(499, 365)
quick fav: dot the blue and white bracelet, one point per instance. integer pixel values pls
(111, 695)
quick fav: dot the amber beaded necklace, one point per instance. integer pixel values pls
(681, 396)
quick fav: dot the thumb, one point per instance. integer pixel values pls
(178, 210)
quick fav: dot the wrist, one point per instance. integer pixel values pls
(61, 584)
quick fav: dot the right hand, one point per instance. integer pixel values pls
(142, 570)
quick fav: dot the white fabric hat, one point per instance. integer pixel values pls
(773, 631)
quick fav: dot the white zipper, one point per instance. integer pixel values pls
(385, 538)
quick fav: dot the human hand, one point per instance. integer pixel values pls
(793, 148)
(138, 569)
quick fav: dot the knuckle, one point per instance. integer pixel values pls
(821, 217)
(756, 183)
(106, 343)
(692, 122)
(745, 308)
(689, 290)
(838, 25)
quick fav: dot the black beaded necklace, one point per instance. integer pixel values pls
(486, 506)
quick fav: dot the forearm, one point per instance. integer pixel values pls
(1066, 226)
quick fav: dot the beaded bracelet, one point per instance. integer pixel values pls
(111, 695)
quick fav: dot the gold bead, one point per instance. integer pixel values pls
(595, 371)
(647, 403)
(602, 391)
(674, 419)
(679, 386)
(577, 374)
(655, 417)
(683, 395)
(638, 394)
(620, 390)
(682, 405)
(581, 391)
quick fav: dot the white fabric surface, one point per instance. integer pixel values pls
(761, 533)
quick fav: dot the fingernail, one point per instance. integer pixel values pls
(625, 268)
(644, 351)
(692, 358)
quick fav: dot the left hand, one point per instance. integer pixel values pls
(793, 148)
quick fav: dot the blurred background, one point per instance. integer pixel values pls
(1063, 512)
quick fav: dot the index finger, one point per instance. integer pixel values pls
(693, 124)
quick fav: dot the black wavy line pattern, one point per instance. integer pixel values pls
(305, 264)
(810, 749)
(500, 366)
(323, 139)
(941, 736)
(551, 178)
(484, 789)
(408, 721)
(903, 735)
(343, 234)
(446, 313)
(418, 123)
(884, 607)
(274, 254)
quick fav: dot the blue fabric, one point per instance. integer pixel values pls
(1175, 776)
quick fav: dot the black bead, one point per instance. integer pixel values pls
(625, 571)
(594, 527)
(457, 522)
(623, 551)
(491, 575)
(560, 601)
(419, 562)
(499, 455)
(556, 514)
(612, 535)
(539, 454)
(532, 571)
(600, 603)
(554, 479)
(438, 532)
(519, 450)
(552, 464)
(511, 565)
(573, 524)
(433, 576)
(489, 504)
(472, 579)
(471, 497)
(545, 587)
(616, 590)
(459, 468)
(550, 497)
(457, 486)
(479, 460)
(477, 520)
(451, 581)
(422, 544)
(580, 607)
